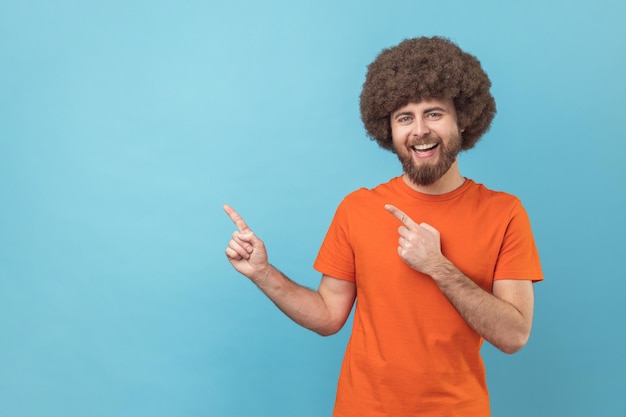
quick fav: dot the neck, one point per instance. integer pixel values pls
(450, 181)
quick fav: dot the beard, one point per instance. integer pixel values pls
(428, 173)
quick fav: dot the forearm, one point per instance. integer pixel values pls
(324, 311)
(498, 321)
(303, 305)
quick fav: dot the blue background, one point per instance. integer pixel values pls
(125, 125)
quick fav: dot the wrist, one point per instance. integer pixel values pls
(262, 276)
(442, 270)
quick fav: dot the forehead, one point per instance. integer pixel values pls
(445, 104)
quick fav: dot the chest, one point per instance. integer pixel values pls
(470, 240)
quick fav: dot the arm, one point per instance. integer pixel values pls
(503, 318)
(323, 311)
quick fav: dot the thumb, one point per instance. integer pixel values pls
(429, 228)
(248, 236)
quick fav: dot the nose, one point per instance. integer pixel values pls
(420, 128)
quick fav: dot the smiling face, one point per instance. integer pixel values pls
(426, 138)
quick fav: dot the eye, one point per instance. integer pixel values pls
(433, 116)
(404, 119)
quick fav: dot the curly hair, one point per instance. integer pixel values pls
(426, 68)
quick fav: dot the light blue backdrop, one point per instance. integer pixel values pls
(125, 125)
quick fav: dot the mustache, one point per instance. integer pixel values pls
(426, 140)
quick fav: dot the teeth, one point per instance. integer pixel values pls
(424, 147)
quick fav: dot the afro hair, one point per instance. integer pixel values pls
(426, 68)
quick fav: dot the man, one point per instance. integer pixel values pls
(438, 262)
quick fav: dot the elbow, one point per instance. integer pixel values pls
(511, 349)
(326, 333)
(328, 329)
(515, 343)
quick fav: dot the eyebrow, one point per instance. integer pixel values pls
(404, 113)
(427, 110)
(432, 109)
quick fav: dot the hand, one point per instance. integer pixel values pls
(245, 251)
(419, 245)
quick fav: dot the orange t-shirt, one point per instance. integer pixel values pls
(410, 352)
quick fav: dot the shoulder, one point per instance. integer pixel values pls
(486, 196)
(378, 192)
(363, 203)
(491, 205)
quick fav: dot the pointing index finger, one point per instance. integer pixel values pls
(400, 215)
(236, 218)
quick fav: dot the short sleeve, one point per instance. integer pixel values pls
(336, 255)
(518, 257)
